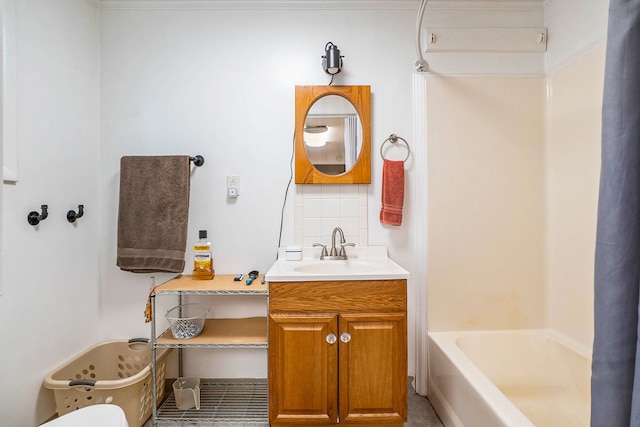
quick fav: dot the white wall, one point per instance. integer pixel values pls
(49, 308)
(219, 81)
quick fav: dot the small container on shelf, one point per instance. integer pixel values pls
(293, 253)
(187, 392)
(203, 258)
(187, 320)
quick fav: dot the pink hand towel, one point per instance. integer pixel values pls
(392, 192)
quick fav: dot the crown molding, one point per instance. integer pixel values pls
(260, 4)
(486, 5)
(483, 5)
(467, 5)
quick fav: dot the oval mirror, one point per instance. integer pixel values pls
(332, 135)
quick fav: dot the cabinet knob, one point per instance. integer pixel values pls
(331, 339)
(345, 337)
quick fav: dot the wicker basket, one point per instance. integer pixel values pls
(117, 372)
(187, 320)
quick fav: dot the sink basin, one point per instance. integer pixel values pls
(341, 267)
(364, 263)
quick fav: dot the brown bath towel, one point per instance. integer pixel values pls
(153, 213)
(392, 192)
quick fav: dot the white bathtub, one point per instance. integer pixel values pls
(521, 378)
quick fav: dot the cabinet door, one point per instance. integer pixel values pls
(303, 386)
(373, 367)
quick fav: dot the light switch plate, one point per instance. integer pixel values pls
(233, 186)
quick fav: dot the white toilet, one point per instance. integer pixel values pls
(102, 415)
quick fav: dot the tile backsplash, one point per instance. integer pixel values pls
(321, 208)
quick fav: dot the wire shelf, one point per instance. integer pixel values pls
(222, 402)
(248, 291)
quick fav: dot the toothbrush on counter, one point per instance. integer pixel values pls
(252, 276)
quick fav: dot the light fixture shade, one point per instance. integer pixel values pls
(315, 136)
(332, 61)
(316, 129)
(315, 139)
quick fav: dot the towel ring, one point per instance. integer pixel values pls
(393, 138)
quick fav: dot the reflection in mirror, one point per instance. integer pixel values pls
(332, 132)
(333, 135)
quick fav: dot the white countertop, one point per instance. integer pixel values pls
(363, 263)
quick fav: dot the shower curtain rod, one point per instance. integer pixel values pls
(420, 64)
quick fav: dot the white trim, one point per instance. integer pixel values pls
(419, 154)
(9, 96)
(576, 56)
(486, 39)
(482, 5)
(486, 64)
(2, 89)
(488, 74)
(261, 4)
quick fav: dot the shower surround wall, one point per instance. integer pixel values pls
(486, 203)
(513, 183)
(572, 171)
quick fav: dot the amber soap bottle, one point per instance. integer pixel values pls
(202, 258)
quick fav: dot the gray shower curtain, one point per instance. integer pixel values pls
(615, 381)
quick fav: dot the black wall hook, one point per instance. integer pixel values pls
(72, 215)
(34, 217)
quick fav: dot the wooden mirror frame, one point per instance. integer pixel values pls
(360, 97)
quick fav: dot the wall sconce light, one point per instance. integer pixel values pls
(332, 61)
(315, 136)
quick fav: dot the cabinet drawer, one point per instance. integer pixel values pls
(381, 296)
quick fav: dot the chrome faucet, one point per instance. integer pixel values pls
(333, 254)
(324, 253)
(334, 251)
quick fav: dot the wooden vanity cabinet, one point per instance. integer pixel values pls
(338, 353)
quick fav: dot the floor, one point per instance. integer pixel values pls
(421, 414)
